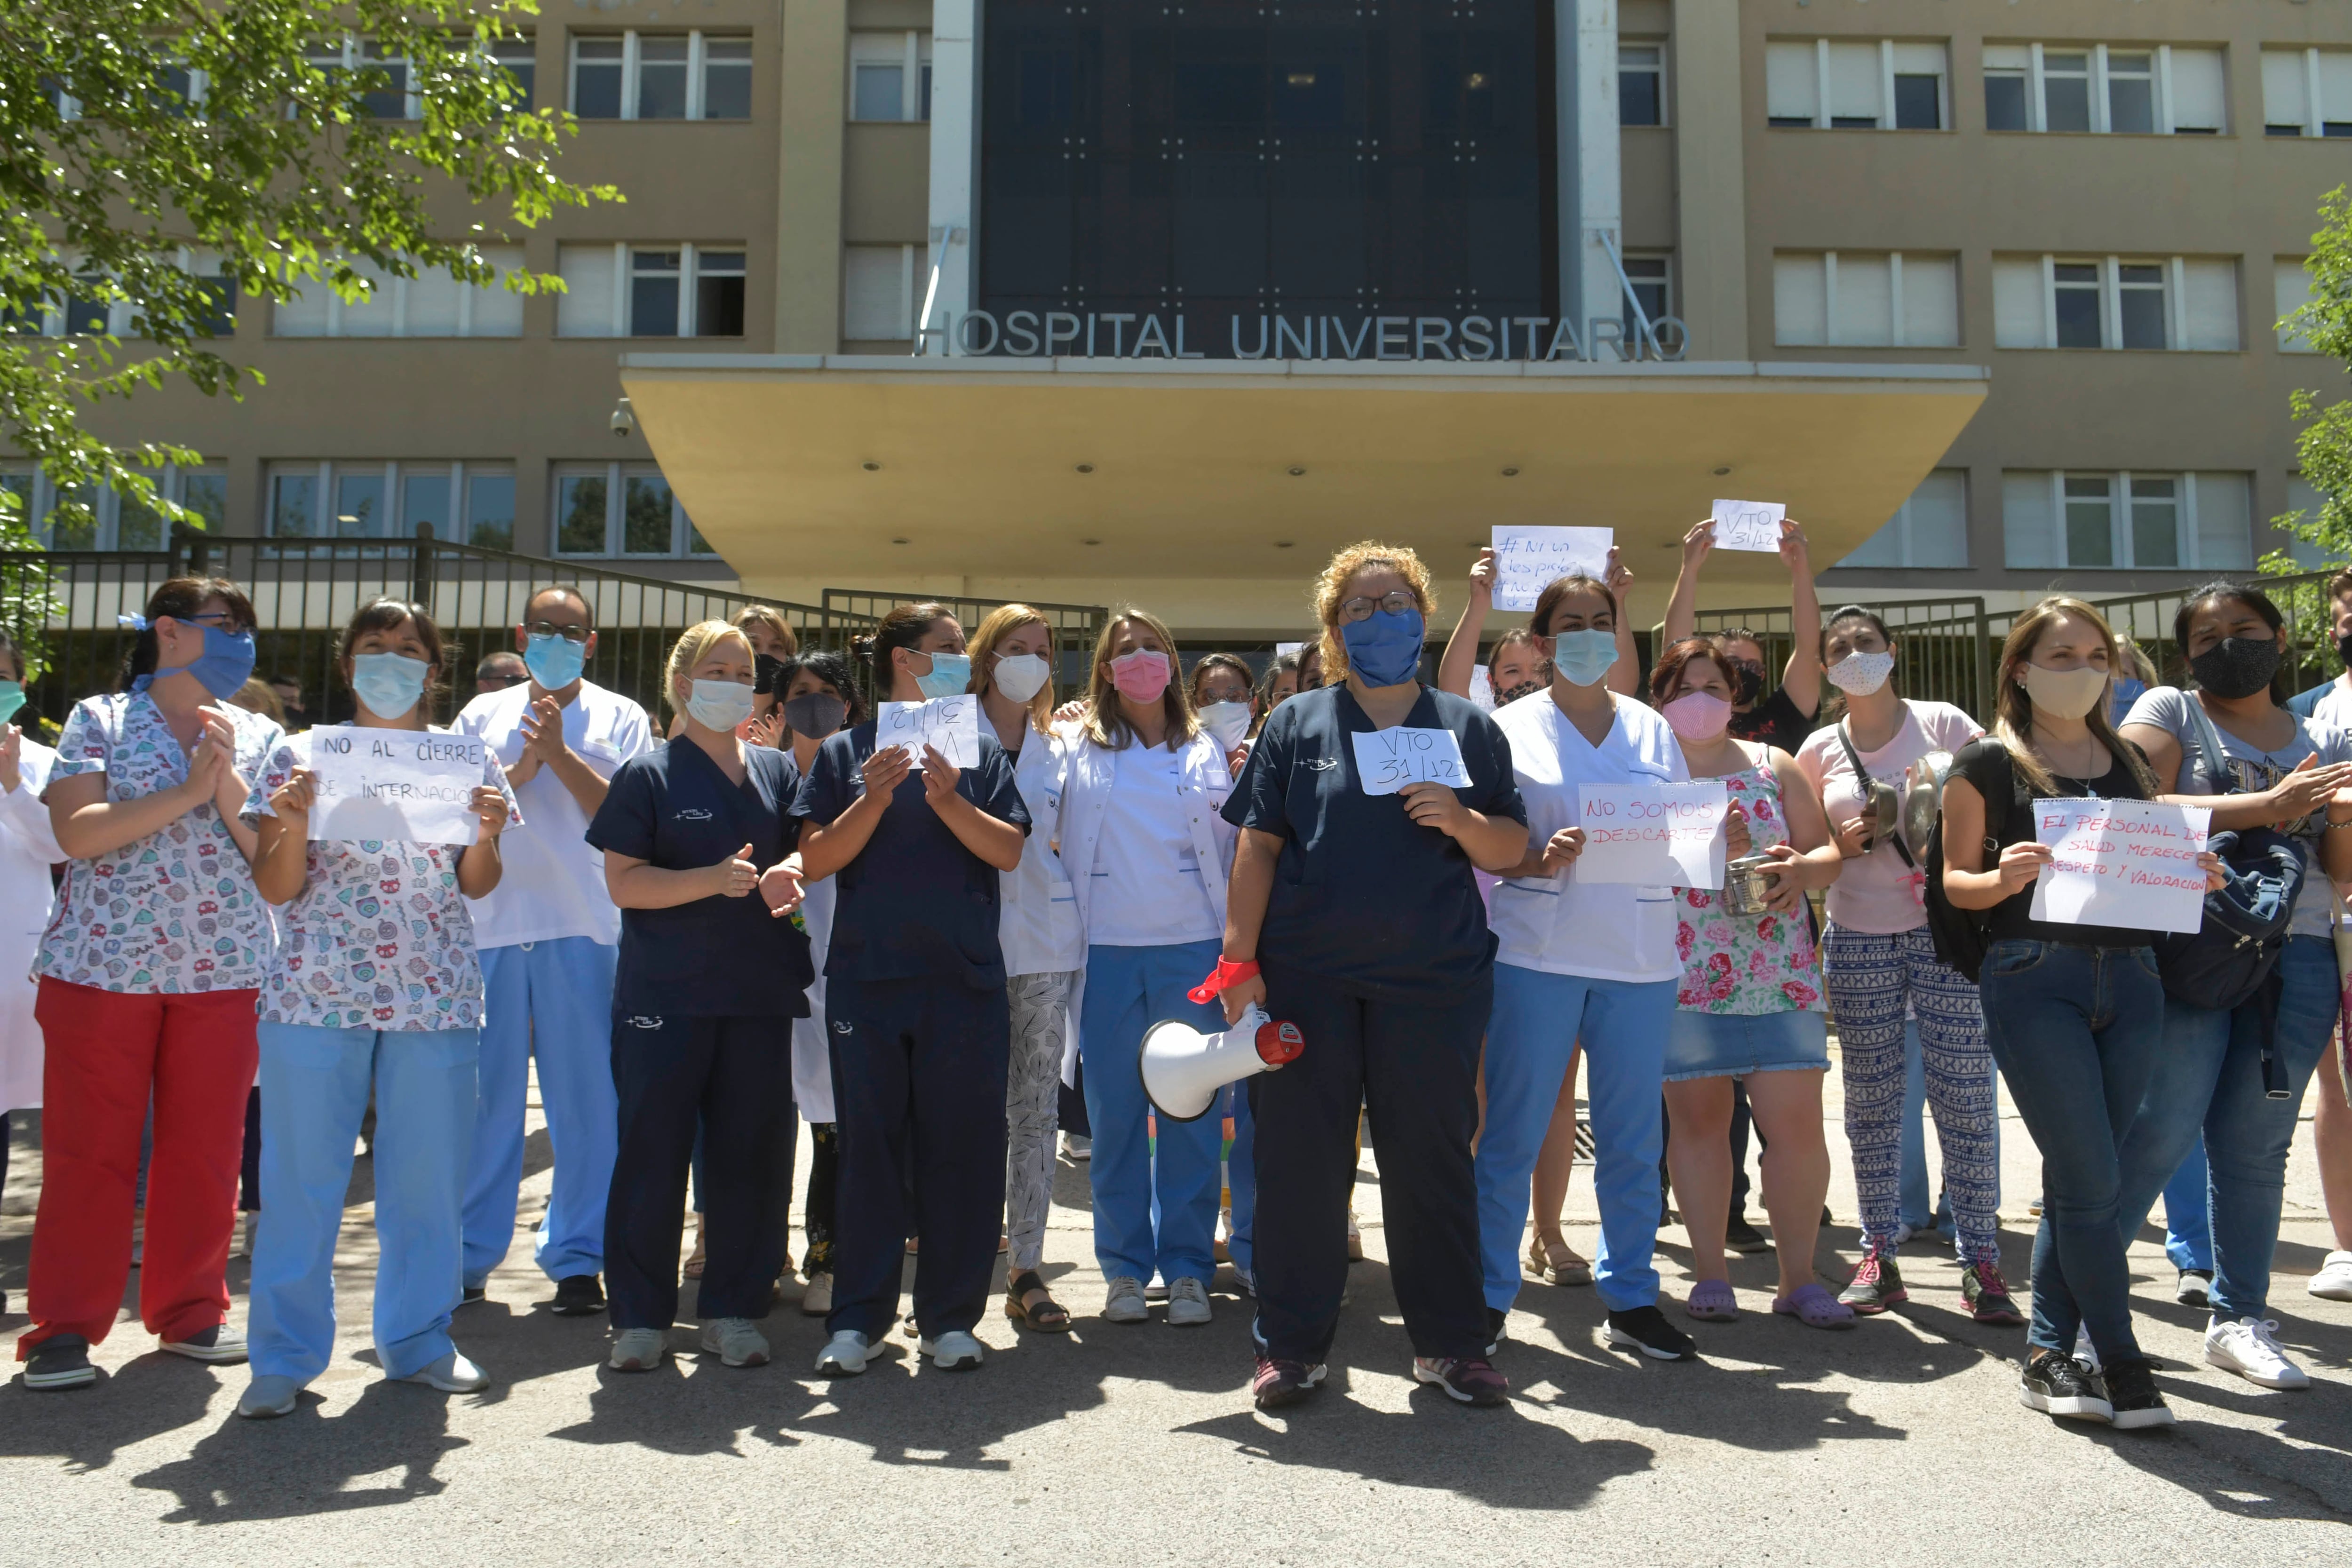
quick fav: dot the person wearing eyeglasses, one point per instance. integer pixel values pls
(1354, 916)
(498, 672)
(549, 941)
(149, 973)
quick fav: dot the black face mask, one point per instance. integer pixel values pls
(2237, 667)
(2343, 651)
(816, 715)
(1513, 693)
(1748, 683)
(764, 667)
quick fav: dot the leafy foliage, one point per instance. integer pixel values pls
(2324, 445)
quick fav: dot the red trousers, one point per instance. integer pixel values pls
(108, 1053)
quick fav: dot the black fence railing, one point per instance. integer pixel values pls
(1074, 626)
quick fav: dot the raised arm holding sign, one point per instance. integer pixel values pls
(1748, 525)
(1528, 559)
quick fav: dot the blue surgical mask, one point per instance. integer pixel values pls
(225, 666)
(1585, 656)
(720, 704)
(950, 673)
(388, 684)
(555, 662)
(1384, 648)
(11, 696)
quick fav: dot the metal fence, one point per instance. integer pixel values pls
(1074, 626)
(63, 608)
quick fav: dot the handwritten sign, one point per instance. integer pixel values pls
(1391, 759)
(2121, 863)
(1662, 835)
(951, 723)
(1748, 525)
(1482, 688)
(1285, 649)
(416, 785)
(1528, 560)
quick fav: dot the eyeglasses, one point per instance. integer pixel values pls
(1361, 608)
(549, 629)
(493, 682)
(223, 620)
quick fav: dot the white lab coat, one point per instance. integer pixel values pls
(27, 850)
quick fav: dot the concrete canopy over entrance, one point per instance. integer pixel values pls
(1211, 491)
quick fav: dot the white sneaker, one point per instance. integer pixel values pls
(954, 1350)
(243, 1246)
(269, 1397)
(1123, 1301)
(735, 1341)
(1188, 1303)
(2249, 1348)
(1355, 1239)
(1903, 1233)
(817, 1300)
(220, 1346)
(2085, 1352)
(453, 1373)
(1076, 1148)
(844, 1355)
(2333, 1280)
(638, 1349)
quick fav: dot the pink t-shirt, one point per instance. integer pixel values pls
(1878, 893)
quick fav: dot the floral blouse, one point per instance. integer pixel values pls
(177, 910)
(379, 938)
(1747, 965)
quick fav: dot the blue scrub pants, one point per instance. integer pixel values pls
(734, 1077)
(918, 1069)
(554, 998)
(314, 1092)
(1537, 1020)
(1129, 989)
(1414, 1066)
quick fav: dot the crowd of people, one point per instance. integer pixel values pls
(706, 933)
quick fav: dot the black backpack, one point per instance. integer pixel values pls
(1961, 936)
(2225, 961)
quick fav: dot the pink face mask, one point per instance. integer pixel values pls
(1141, 674)
(1698, 715)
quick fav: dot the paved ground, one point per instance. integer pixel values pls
(1897, 1442)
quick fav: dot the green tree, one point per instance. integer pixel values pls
(267, 139)
(2324, 445)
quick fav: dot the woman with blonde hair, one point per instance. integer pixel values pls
(707, 974)
(1149, 857)
(2075, 1014)
(1043, 940)
(1352, 914)
(771, 634)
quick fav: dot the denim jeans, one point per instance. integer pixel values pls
(2210, 1076)
(2076, 1031)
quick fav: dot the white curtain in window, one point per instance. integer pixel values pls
(1931, 301)
(1789, 92)
(2199, 98)
(498, 313)
(2029, 531)
(2017, 302)
(432, 304)
(2335, 85)
(1799, 305)
(372, 317)
(1937, 514)
(2210, 304)
(1861, 311)
(2291, 290)
(586, 308)
(305, 315)
(2285, 100)
(1854, 81)
(2224, 522)
(1918, 60)
(873, 289)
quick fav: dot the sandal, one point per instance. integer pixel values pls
(1711, 1301)
(1048, 1316)
(1557, 1265)
(1814, 1307)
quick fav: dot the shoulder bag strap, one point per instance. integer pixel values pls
(1862, 774)
(2212, 755)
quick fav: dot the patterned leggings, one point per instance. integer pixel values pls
(1041, 1008)
(1870, 978)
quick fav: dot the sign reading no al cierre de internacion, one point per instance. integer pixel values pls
(1125, 334)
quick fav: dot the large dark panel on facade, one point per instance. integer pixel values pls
(1316, 164)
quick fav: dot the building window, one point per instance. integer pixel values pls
(119, 521)
(650, 291)
(2116, 302)
(520, 59)
(468, 503)
(878, 297)
(2291, 290)
(2304, 502)
(432, 304)
(1865, 299)
(1855, 85)
(889, 76)
(661, 76)
(1651, 278)
(86, 313)
(2307, 92)
(393, 97)
(1931, 529)
(2118, 90)
(2188, 522)
(621, 509)
(1641, 84)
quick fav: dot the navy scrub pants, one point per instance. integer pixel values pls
(1414, 1064)
(735, 1077)
(918, 1069)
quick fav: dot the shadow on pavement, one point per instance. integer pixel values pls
(381, 1450)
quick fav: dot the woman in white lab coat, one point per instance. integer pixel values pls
(27, 850)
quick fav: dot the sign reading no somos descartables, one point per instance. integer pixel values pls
(1656, 836)
(2121, 863)
(416, 785)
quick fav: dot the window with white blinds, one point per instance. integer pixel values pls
(1876, 84)
(432, 304)
(2303, 503)
(2307, 92)
(1865, 299)
(2106, 88)
(1931, 529)
(2053, 518)
(2183, 303)
(878, 292)
(2290, 291)
(680, 290)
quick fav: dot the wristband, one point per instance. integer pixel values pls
(1224, 977)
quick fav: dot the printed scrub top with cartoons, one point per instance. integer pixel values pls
(173, 913)
(379, 937)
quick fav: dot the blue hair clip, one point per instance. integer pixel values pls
(136, 623)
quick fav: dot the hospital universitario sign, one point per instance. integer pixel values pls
(1130, 334)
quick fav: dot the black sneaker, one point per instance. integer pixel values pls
(61, 1361)
(1740, 1237)
(475, 1295)
(1497, 1317)
(2057, 1385)
(1279, 1383)
(578, 1296)
(1645, 1329)
(2194, 1288)
(1987, 1295)
(1877, 1285)
(2132, 1397)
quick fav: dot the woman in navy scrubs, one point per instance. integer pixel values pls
(1355, 917)
(690, 832)
(914, 1002)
